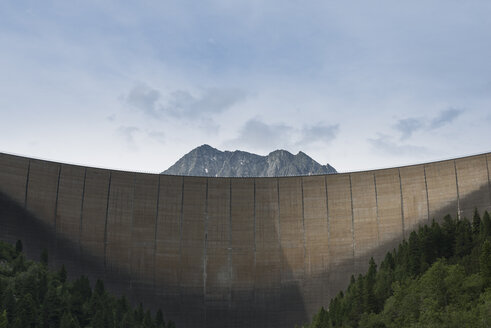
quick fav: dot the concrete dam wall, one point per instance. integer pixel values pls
(228, 252)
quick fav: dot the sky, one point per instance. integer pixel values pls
(135, 85)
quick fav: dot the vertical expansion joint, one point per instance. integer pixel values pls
(427, 197)
(279, 229)
(82, 210)
(402, 204)
(27, 183)
(254, 269)
(56, 207)
(205, 242)
(105, 221)
(489, 182)
(279, 210)
(131, 229)
(457, 189)
(56, 199)
(155, 235)
(327, 216)
(352, 218)
(303, 226)
(376, 208)
(255, 222)
(181, 218)
(230, 246)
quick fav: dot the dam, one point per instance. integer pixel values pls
(228, 252)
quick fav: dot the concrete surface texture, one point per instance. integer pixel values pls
(228, 252)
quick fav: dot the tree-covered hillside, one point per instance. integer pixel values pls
(440, 277)
(33, 296)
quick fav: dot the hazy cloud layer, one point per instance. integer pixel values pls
(319, 132)
(445, 117)
(128, 134)
(145, 99)
(257, 134)
(181, 103)
(385, 145)
(260, 135)
(408, 126)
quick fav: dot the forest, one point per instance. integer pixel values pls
(439, 277)
(32, 295)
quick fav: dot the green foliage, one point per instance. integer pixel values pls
(33, 296)
(485, 263)
(439, 277)
(18, 246)
(44, 256)
(3, 319)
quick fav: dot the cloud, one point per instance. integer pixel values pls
(384, 144)
(144, 98)
(445, 117)
(260, 135)
(257, 134)
(181, 103)
(318, 132)
(157, 136)
(408, 126)
(128, 134)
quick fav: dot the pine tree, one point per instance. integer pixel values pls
(128, 320)
(371, 301)
(159, 319)
(4, 322)
(62, 274)
(9, 304)
(98, 319)
(139, 314)
(67, 321)
(18, 247)
(44, 257)
(26, 311)
(147, 320)
(463, 238)
(476, 223)
(485, 262)
(414, 253)
(99, 287)
(486, 225)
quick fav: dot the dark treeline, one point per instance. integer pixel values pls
(439, 277)
(31, 295)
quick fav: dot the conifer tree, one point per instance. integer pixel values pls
(44, 256)
(67, 321)
(485, 262)
(26, 311)
(159, 319)
(3, 319)
(476, 222)
(486, 225)
(18, 246)
(9, 304)
(62, 274)
(371, 301)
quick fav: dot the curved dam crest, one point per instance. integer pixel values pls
(228, 252)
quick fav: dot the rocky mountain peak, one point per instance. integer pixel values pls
(208, 161)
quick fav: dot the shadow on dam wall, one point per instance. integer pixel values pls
(280, 305)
